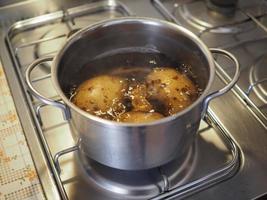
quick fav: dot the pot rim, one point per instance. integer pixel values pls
(143, 20)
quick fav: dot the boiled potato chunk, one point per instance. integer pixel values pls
(100, 94)
(139, 117)
(174, 89)
(138, 96)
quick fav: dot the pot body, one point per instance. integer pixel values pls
(124, 145)
(136, 147)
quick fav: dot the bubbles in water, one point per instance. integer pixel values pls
(133, 67)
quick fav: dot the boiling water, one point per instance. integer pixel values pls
(133, 68)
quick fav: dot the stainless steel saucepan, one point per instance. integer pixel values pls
(131, 146)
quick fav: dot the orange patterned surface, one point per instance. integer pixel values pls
(1, 72)
(18, 177)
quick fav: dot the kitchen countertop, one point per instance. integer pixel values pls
(18, 177)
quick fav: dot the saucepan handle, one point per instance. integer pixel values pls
(62, 106)
(229, 85)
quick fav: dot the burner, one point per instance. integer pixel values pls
(198, 15)
(224, 7)
(142, 184)
(258, 78)
(54, 40)
(56, 37)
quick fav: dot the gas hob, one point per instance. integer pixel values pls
(228, 155)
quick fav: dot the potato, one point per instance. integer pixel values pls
(139, 117)
(100, 94)
(174, 89)
(138, 95)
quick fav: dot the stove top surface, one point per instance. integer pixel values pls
(243, 33)
(214, 157)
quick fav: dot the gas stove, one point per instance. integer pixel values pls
(228, 157)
